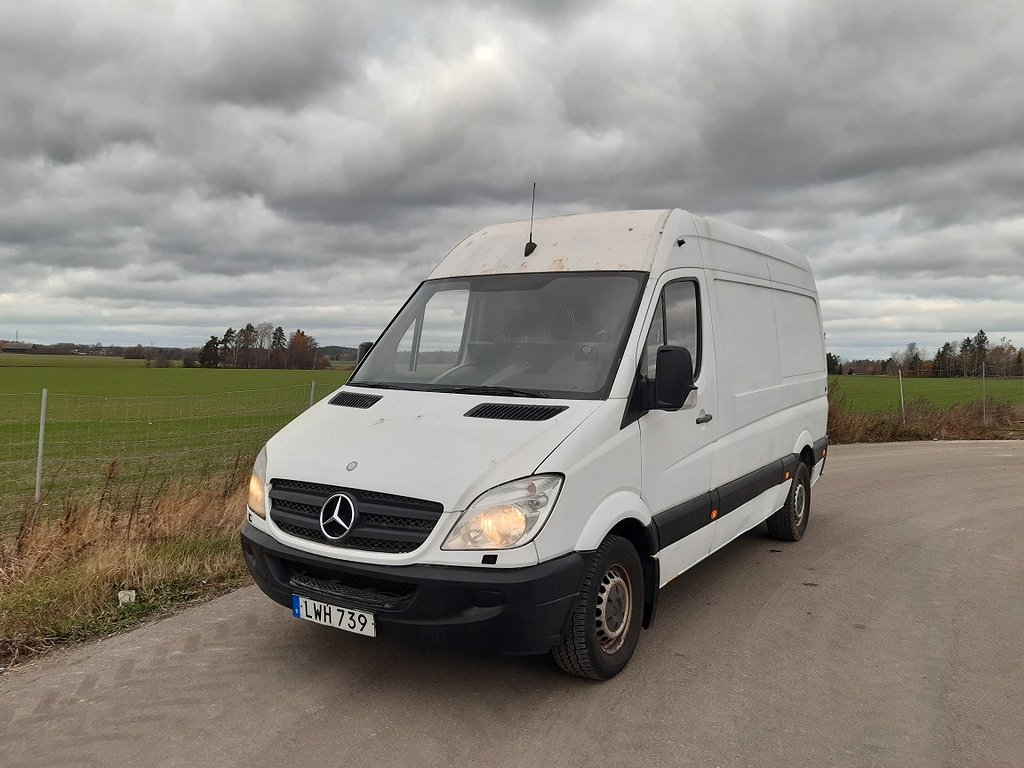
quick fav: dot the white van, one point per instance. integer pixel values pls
(537, 443)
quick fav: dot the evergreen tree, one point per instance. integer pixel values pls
(209, 355)
(227, 344)
(981, 346)
(832, 364)
(246, 341)
(967, 355)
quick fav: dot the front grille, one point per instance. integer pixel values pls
(352, 589)
(384, 522)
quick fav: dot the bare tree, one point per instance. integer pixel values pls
(302, 350)
(264, 334)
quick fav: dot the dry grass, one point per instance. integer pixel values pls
(924, 421)
(60, 578)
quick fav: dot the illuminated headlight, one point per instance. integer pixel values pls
(257, 485)
(507, 516)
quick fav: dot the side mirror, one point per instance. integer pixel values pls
(673, 379)
(363, 351)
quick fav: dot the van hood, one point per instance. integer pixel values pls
(419, 444)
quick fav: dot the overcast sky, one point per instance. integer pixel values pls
(168, 169)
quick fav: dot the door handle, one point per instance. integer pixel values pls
(704, 419)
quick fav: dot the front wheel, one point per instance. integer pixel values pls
(790, 522)
(605, 622)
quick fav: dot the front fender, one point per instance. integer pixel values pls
(619, 506)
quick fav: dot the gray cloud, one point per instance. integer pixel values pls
(169, 170)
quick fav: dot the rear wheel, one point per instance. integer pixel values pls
(790, 522)
(605, 622)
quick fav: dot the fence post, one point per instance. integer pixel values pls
(39, 455)
(903, 407)
(312, 393)
(984, 405)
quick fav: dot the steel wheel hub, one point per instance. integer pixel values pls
(614, 609)
(799, 504)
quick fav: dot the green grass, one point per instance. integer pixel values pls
(881, 394)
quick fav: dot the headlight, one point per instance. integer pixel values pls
(257, 484)
(507, 516)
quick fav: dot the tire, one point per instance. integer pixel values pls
(604, 625)
(790, 522)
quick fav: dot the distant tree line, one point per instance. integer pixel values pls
(263, 346)
(954, 359)
(158, 357)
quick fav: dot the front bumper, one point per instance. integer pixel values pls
(513, 611)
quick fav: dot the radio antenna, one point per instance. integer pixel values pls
(530, 245)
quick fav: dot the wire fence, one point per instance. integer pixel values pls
(986, 385)
(53, 446)
(952, 371)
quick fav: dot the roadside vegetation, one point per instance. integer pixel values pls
(60, 578)
(849, 421)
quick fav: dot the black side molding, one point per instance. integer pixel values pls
(820, 446)
(734, 495)
(678, 522)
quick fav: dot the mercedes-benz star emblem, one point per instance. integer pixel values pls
(337, 516)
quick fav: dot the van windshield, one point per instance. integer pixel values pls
(536, 335)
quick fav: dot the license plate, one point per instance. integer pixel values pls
(360, 622)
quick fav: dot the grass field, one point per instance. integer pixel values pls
(118, 425)
(114, 377)
(881, 394)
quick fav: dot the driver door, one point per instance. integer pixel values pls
(677, 446)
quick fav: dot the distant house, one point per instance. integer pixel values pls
(16, 346)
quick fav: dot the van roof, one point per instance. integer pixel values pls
(620, 240)
(616, 240)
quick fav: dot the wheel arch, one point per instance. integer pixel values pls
(807, 457)
(804, 448)
(625, 514)
(644, 539)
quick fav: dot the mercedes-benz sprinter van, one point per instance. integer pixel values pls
(547, 434)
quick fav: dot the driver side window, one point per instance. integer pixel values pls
(676, 322)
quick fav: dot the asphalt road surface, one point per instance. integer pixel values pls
(892, 635)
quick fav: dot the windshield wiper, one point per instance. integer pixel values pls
(375, 385)
(483, 389)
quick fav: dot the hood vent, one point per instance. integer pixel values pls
(515, 412)
(352, 400)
